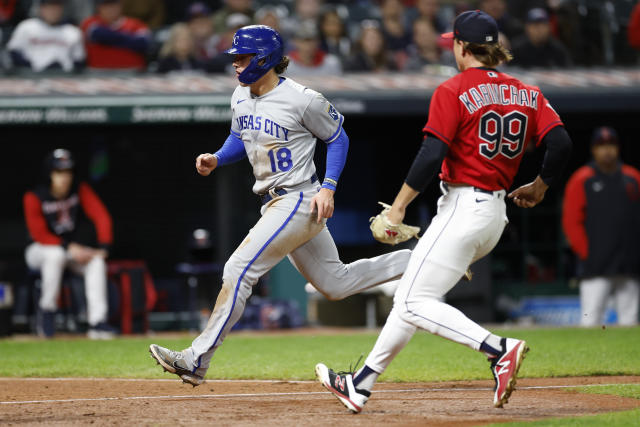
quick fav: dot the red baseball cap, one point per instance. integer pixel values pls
(474, 26)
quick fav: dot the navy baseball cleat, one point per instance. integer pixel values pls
(341, 385)
(504, 368)
(173, 361)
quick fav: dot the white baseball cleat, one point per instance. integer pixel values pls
(341, 385)
(505, 368)
(173, 361)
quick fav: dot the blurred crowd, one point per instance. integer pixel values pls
(324, 37)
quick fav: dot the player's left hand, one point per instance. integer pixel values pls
(530, 194)
(322, 203)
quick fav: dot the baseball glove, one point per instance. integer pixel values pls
(385, 232)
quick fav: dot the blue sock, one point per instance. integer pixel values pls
(492, 345)
(365, 378)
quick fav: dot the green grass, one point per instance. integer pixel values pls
(610, 419)
(624, 390)
(554, 352)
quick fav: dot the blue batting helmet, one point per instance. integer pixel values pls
(267, 45)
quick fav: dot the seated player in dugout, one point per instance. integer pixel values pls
(53, 211)
(276, 123)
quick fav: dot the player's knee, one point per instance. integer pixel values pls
(55, 255)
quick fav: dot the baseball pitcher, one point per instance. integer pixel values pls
(480, 123)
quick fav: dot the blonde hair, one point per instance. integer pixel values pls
(168, 48)
(490, 55)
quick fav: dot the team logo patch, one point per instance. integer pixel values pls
(235, 40)
(333, 113)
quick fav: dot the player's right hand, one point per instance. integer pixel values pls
(79, 253)
(206, 163)
(530, 194)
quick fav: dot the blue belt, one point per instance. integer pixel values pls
(267, 197)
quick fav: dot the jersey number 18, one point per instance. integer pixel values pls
(281, 158)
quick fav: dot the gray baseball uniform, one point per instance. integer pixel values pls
(279, 130)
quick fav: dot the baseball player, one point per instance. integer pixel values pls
(275, 124)
(52, 213)
(601, 219)
(480, 123)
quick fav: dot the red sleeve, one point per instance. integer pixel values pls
(36, 223)
(444, 115)
(574, 211)
(547, 119)
(632, 172)
(95, 210)
(633, 32)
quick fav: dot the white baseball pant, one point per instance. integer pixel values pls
(595, 292)
(288, 227)
(51, 260)
(467, 227)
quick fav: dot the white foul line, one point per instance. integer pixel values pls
(306, 393)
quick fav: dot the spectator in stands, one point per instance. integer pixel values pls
(633, 31)
(271, 16)
(370, 51)
(114, 41)
(333, 33)
(395, 27)
(151, 12)
(232, 6)
(307, 58)
(53, 212)
(45, 43)
(304, 11)
(425, 49)
(175, 10)
(430, 9)
(201, 27)
(178, 52)
(507, 24)
(537, 47)
(601, 219)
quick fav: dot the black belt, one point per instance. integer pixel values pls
(476, 189)
(267, 197)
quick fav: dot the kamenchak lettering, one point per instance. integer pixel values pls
(493, 94)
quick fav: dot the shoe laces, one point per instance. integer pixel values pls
(352, 370)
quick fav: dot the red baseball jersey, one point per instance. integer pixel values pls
(111, 56)
(487, 118)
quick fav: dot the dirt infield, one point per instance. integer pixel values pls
(169, 402)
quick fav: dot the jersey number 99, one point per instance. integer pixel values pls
(502, 134)
(281, 158)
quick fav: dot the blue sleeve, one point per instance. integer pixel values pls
(231, 151)
(108, 36)
(336, 158)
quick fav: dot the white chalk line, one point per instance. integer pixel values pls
(306, 393)
(151, 380)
